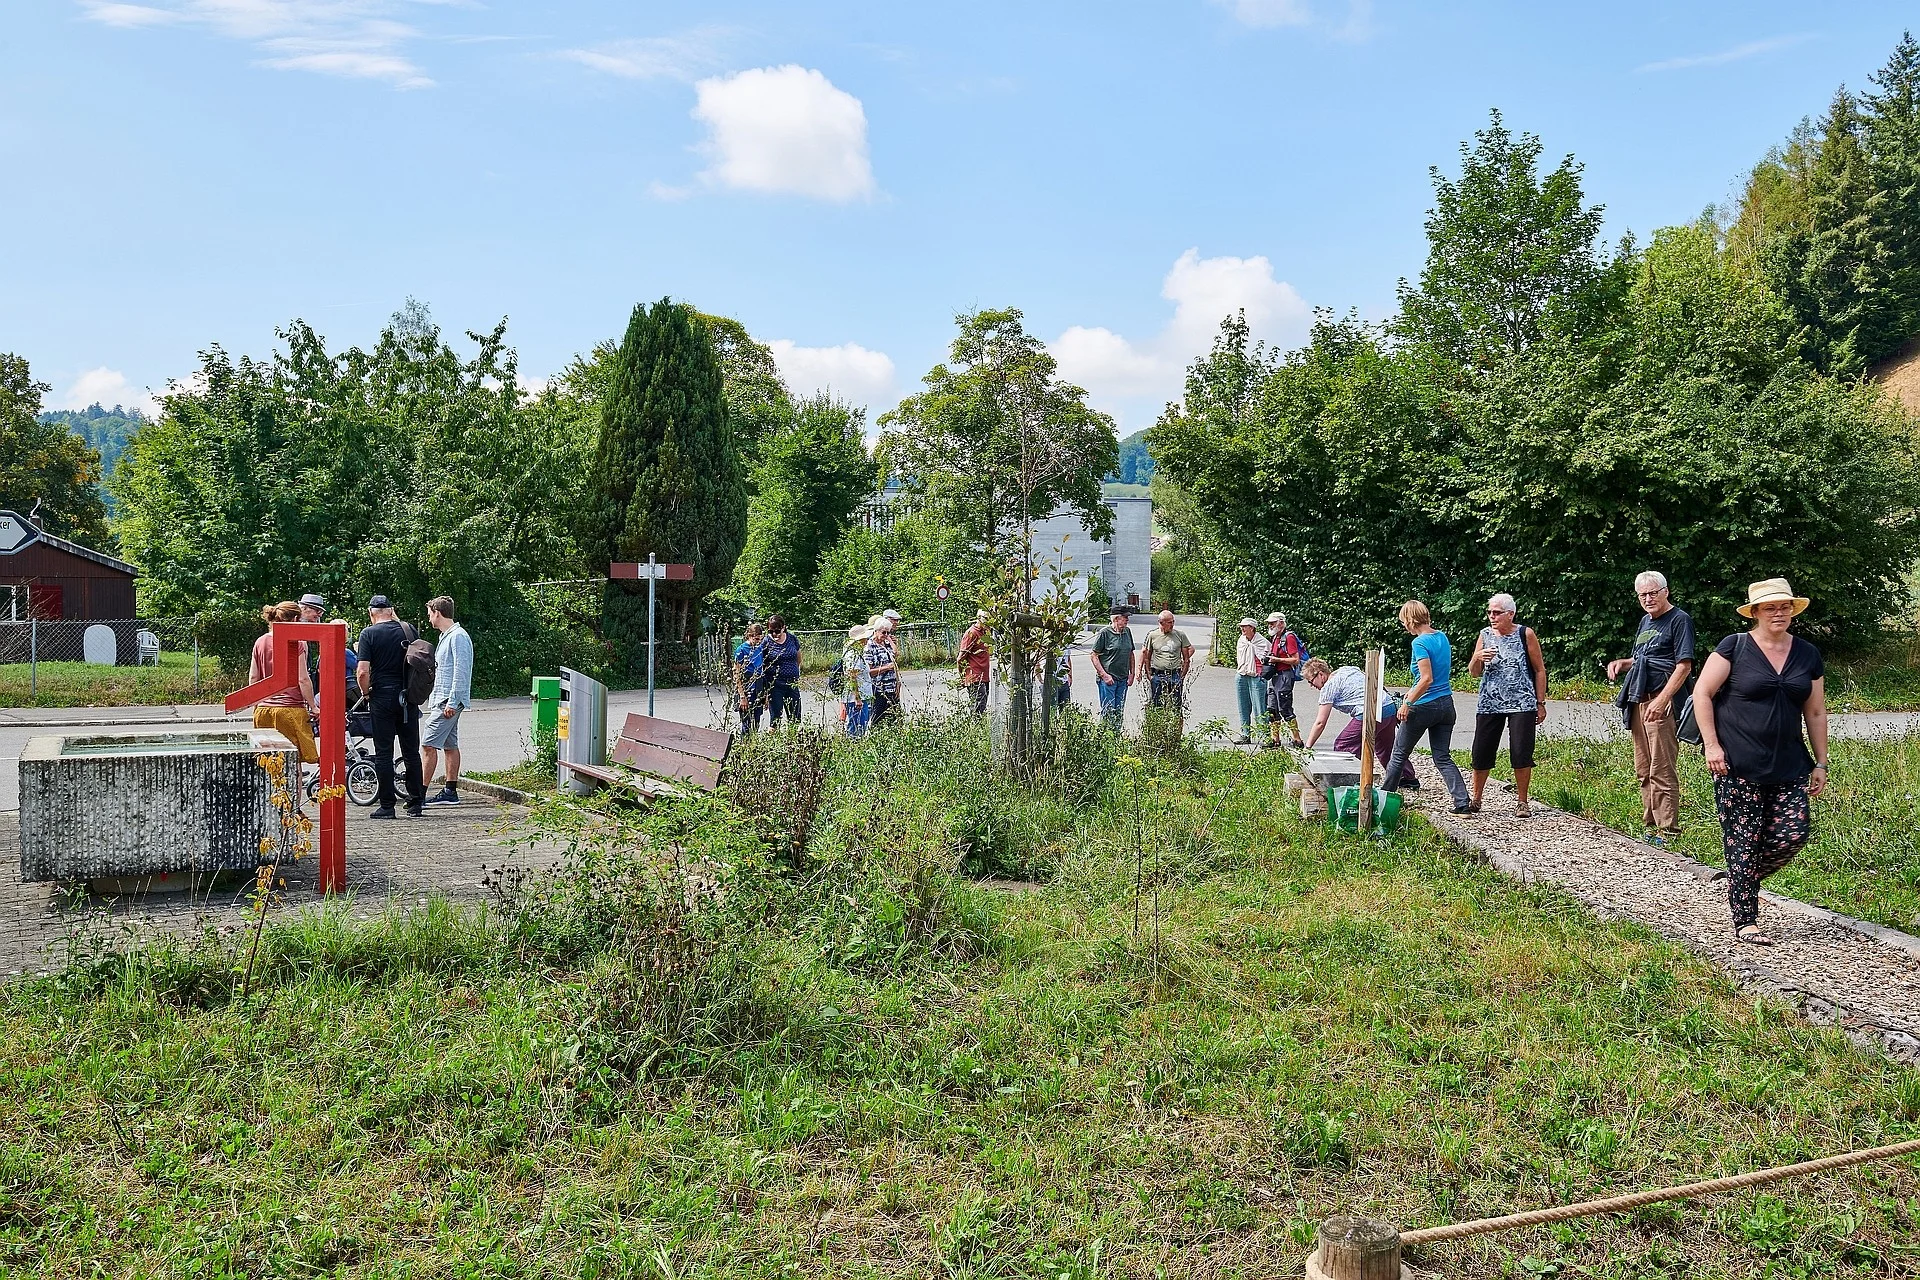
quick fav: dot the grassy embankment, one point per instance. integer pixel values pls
(84, 684)
(1864, 858)
(876, 1066)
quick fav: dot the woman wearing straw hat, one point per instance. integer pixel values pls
(1761, 695)
(856, 683)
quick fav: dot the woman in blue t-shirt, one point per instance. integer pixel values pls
(1429, 706)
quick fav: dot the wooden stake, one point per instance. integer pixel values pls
(1369, 726)
(1357, 1249)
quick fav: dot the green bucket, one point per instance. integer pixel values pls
(1344, 809)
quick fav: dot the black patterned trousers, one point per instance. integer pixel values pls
(1762, 825)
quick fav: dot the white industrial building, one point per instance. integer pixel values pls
(1122, 563)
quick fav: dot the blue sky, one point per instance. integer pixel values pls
(842, 177)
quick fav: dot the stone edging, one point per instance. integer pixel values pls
(493, 790)
(1748, 975)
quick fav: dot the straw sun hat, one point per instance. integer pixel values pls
(1769, 592)
(858, 632)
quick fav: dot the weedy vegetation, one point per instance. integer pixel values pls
(1130, 1019)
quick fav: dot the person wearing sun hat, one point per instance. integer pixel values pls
(1250, 679)
(856, 683)
(1285, 653)
(1760, 697)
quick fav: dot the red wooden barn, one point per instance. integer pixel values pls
(48, 577)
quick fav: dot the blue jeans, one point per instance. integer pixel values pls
(1113, 702)
(857, 713)
(1252, 691)
(1434, 719)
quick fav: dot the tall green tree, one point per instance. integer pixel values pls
(1510, 252)
(667, 476)
(44, 465)
(996, 440)
(812, 474)
(1891, 111)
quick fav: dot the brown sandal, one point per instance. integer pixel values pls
(1521, 809)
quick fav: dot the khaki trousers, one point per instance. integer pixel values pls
(1656, 763)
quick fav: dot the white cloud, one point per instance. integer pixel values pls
(1357, 25)
(1121, 374)
(851, 371)
(680, 57)
(107, 388)
(1738, 53)
(358, 39)
(784, 129)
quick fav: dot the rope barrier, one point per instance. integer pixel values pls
(1560, 1213)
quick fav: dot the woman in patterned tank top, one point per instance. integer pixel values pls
(1513, 699)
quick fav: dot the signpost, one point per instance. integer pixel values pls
(652, 571)
(15, 533)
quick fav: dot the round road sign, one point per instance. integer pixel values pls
(941, 591)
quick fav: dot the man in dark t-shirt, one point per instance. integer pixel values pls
(1656, 674)
(382, 676)
(1113, 668)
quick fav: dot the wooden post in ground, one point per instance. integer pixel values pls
(1356, 1249)
(1369, 726)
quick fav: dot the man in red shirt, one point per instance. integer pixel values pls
(974, 654)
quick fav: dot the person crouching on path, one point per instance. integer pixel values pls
(883, 666)
(1249, 680)
(382, 676)
(289, 712)
(1344, 689)
(1429, 706)
(1761, 695)
(1285, 653)
(1113, 668)
(452, 694)
(973, 657)
(1655, 675)
(1513, 699)
(856, 698)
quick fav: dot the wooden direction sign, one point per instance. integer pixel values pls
(629, 571)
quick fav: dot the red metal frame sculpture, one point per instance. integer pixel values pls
(332, 639)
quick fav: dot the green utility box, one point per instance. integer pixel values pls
(1343, 810)
(546, 706)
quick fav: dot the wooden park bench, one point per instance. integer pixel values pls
(659, 757)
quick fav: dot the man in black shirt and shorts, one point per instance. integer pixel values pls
(382, 674)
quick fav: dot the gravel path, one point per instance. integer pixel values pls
(1839, 971)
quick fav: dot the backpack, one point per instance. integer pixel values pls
(837, 675)
(421, 666)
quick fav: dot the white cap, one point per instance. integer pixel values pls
(890, 615)
(1276, 616)
(1248, 622)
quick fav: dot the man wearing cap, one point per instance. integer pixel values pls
(1656, 674)
(1113, 668)
(1250, 679)
(313, 607)
(382, 676)
(1284, 656)
(1164, 662)
(974, 654)
(452, 692)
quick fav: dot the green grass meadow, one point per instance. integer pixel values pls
(819, 1029)
(85, 684)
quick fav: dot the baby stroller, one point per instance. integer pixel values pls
(363, 784)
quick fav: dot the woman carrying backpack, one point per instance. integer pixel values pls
(1513, 699)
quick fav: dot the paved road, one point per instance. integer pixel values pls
(497, 733)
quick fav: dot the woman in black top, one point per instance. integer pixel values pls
(1753, 694)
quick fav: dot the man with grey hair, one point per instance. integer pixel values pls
(1656, 675)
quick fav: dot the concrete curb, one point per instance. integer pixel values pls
(493, 791)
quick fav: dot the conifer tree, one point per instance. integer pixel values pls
(1892, 116)
(667, 477)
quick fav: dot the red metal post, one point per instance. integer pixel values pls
(332, 639)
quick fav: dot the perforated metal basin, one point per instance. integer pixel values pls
(95, 806)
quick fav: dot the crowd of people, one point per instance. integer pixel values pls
(411, 691)
(1757, 710)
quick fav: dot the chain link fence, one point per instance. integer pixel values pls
(112, 661)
